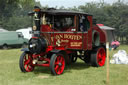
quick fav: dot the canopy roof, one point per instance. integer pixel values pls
(106, 28)
(53, 11)
(65, 12)
(101, 26)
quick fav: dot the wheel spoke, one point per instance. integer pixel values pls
(57, 59)
(61, 59)
(59, 70)
(27, 62)
(101, 57)
(56, 68)
(30, 68)
(27, 68)
(56, 63)
(62, 68)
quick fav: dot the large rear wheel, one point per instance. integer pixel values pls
(57, 64)
(25, 62)
(87, 58)
(98, 57)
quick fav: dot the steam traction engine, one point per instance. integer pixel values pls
(59, 38)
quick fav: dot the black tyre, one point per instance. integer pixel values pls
(98, 57)
(5, 47)
(57, 64)
(25, 62)
(87, 58)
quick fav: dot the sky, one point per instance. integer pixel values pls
(71, 3)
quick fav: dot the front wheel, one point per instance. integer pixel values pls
(25, 62)
(57, 64)
(98, 57)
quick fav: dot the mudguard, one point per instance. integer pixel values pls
(64, 53)
(25, 50)
(55, 51)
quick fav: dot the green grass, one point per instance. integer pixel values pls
(76, 74)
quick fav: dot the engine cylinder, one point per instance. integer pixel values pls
(37, 45)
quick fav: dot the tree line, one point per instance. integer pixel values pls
(114, 15)
(13, 14)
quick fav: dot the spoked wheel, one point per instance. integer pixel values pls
(98, 57)
(57, 64)
(25, 62)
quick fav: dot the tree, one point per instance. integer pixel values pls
(14, 13)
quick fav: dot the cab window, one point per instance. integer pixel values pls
(84, 23)
(63, 22)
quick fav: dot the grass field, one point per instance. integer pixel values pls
(76, 74)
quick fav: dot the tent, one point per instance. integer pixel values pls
(109, 31)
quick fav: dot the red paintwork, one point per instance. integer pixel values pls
(102, 34)
(100, 24)
(46, 28)
(89, 38)
(28, 63)
(35, 56)
(101, 56)
(44, 64)
(35, 37)
(72, 40)
(62, 40)
(68, 40)
(59, 65)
